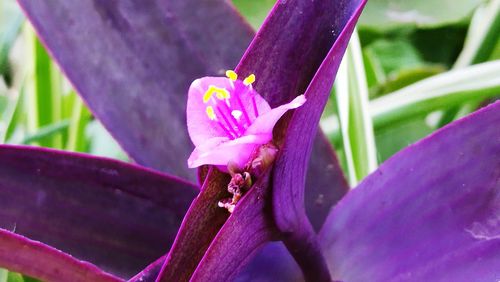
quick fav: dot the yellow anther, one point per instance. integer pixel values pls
(220, 93)
(211, 113)
(208, 95)
(249, 80)
(231, 75)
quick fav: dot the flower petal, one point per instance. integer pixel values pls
(115, 215)
(33, 258)
(264, 123)
(219, 151)
(429, 213)
(200, 126)
(133, 61)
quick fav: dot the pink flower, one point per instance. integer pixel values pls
(228, 120)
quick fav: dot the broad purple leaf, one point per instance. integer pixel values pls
(33, 258)
(273, 264)
(133, 61)
(200, 225)
(150, 273)
(248, 228)
(115, 215)
(284, 268)
(325, 181)
(430, 213)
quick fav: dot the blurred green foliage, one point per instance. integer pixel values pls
(385, 15)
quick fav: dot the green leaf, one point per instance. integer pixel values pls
(11, 20)
(391, 139)
(77, 140)
(405, 77)
(482, 36)
(101, 142)
(355, 122)
(3, 275)
(44, 92)
(254, 11)
(375, 73)
(441, 91)
(15, 277)
(495, 55)
(394, 55)
(46, 132)
(9, 276)
(391, 14)
(439, 45)
(13, 117)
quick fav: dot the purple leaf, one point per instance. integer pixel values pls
(248, 228)
(133, 61)
(291, 45)
(149, 273)
(33, 258)
(313, 32)
(200, 225)
(239, 239)
(284, 56)
(115, 215)
(325, 181)
(273, 263)
(430, 213)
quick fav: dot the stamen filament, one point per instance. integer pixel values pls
(254, 103)
(240, 127)
(228, 133)
(247, 117)
(228, 123)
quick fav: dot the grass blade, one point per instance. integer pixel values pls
(355, 121)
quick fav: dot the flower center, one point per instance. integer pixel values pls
(225, 107)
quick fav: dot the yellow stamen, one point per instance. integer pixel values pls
(220, 93)
(207, 95)
(249, 80)
(211, 113)
(231, 75)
